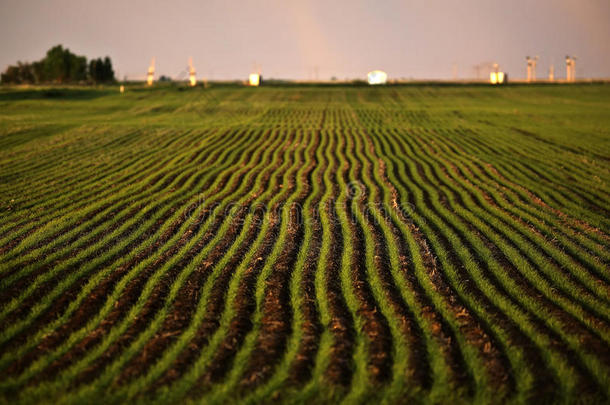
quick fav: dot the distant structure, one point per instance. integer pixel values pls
(192, 74)
(254, 79)
(150, 76)
(497, 77)
(531, 68)
(483, 67)
(570, 68)
(377, 77)
(551, 73)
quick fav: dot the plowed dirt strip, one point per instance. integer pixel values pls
(85, 312)
(277, 314)
(244, 304)
(341, 325)
(186, 303)
(302, 365)
(375, 324)
(201, 219)
(216, 299)
(161, 287)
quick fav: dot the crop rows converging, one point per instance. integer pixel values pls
(306, 245)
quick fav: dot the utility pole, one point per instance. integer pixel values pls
(150, 76)
(531, 68)
(573, 68)
(192, 74)
(570, 68)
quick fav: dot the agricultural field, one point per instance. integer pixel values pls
(302, 244)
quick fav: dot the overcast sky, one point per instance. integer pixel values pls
(437, 39)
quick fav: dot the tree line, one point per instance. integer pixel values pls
(60, 66)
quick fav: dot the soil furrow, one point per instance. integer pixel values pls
(276, 305)
(160, 290)
(216, 301)
(303, 363)
(188, 297)
(103, 289)
(375, 324)
(499, 315)
(244, 304)
(438, 326)
(419, 371)
(340, 367)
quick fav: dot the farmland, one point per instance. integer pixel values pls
(305, 244)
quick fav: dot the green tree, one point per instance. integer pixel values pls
(56, 65)
(60, 66)
(38, 71)
(108, 71)
(77, 68)
(100, 71)
(93, 69)
(20, 74)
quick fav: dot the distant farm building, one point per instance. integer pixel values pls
(377, 77)
(254, 79)
(498, 77)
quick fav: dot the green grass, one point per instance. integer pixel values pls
(453, 244)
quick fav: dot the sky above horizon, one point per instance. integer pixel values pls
(297, 39)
